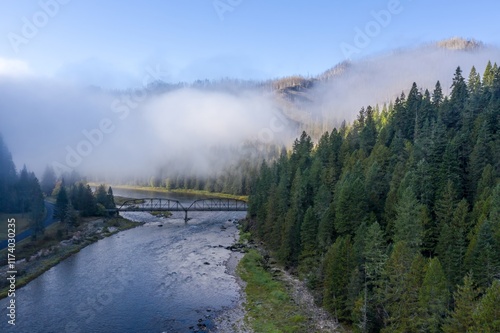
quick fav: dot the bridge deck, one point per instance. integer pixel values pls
(164, 204)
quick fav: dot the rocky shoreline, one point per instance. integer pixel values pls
(233, 320)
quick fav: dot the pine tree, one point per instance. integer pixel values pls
(453, 244)
(408, 227)
(437, 95)
(62, 202)
(494, 214)
(433, 297)
(460, 320)
(89, 204)
(487, 315)
(368, 135)
(350, 202)
(445, 204)
(474, 82)
(488, 75)
(308, 234)
(37, 209)
(459, 95)
(481, 154)
(326, 229)
(403, 278)
(101, 196)
(111, 198)
(290, 245)
(483, 256)
(374, 256)
(339, 264)
(376, 188)
(424, 186)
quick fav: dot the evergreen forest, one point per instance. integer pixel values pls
(394, 220)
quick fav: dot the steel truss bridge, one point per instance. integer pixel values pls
(170, 205)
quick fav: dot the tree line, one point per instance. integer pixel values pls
(394, 220)
(78, 199)
(233, 178)
(20, 193)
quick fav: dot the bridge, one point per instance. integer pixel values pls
(171, 205)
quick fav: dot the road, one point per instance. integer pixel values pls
(49, 219)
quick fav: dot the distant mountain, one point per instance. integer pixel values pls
(461, 44)
(338, 93)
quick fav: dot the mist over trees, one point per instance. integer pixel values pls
(20, 193)
(394, 220)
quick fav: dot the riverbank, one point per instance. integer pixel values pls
(178, 191)
(233, 320)
(276, 301)
(35, 258)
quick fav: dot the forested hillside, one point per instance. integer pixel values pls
(394, 220)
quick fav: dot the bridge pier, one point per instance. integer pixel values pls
(186, 216)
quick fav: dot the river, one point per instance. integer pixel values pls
(147, 279)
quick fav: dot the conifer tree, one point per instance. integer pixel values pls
(403, 278)
(474, 82)
(111, 198)
(433, 297)
(437, 95)
(62, 202)
(481, 154)
(375, 257)
(488, 75)
(445, 204)
(37, 209)
(350, 202)
(483, 256)
(487, 315)
(461, 319)
(339, 263)
(309, 232)
(408, 227)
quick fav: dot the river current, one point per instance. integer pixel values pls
(171, 278)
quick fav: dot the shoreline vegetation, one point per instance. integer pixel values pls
(276, 301)
(178, 191)
(35, 258)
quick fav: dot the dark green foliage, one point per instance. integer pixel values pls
(339, 265)
(37, 208)
(488, 75)
(433, 297)
(408, 226)
(466, 296)
(103, 197)
(452, 244)
(387, 215)
(482, 257)
(308, 234)
(474, 82)
(62, 203)
(487, 315)
(350, 202)
(403, 279)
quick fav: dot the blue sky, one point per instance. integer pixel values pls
(114, 43)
